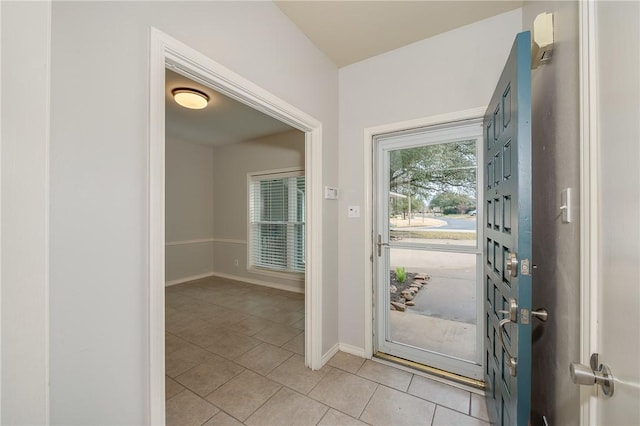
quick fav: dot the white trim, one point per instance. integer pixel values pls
(262, 283)
(205, 240)
(353, 350)
(185, 242)
(330, 353)
(286, 172)
(228, 241)
(166, 51)
(189, 278)
(156, 237)
(235, 278)
(47, 220)
(290, 276)
(1, 221)
(369, 133)
(588, 200)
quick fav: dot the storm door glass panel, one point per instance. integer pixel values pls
(428, 267)
(433, 194)
(439, 294)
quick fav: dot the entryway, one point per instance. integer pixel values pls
(258, 376)
(428, 246)
(166, 51)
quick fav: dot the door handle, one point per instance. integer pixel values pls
(380, 244)
(594, 374)
(512, 362)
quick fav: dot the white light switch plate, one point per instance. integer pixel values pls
(353, 211)
(330, 193)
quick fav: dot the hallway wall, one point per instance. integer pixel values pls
(555, 166)
(231, 164)
(99, 178)
(26, 30)
(189, 205)
(450, 72)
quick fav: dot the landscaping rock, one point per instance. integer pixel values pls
(398, 306)
(411, 303)
(408, 294)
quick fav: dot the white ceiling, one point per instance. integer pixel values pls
(347, 32)
(350, 31)
(223, 121)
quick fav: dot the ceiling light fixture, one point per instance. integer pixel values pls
(190, 98)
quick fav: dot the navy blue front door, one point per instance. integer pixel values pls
(507, 260)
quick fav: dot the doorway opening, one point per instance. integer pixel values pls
(167, 52)
(427, 244)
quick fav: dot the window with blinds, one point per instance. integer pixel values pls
(276, 221)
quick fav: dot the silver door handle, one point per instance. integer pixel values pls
(512, 362)
(512, 312)
(380, 244)
(594, 374)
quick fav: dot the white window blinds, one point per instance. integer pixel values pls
(276, 221)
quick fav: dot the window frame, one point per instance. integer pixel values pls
(271, 175)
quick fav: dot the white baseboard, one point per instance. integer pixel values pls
(236, 278)
(187, 279)
(330, 353)
(353, 350)
(259, 282)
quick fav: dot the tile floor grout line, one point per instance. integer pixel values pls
(261, 405)
(369, 400)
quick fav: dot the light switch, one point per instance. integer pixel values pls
(330, 193)
(353, 211)
(565, 205)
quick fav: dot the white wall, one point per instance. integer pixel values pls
(450, 72)
(25, 132)
(618, 109)
(189, 210)
(555, 165)
(231, 164)
(99, 154)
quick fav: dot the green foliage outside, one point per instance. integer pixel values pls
(451, 203)
(421, 174)
(401, 274)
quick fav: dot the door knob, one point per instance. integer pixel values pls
(594, 374)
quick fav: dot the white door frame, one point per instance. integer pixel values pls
(367, 155)
(589, 201)
(167, 50)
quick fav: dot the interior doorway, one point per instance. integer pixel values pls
(168, 52)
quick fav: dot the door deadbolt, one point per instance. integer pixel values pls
(512, 264)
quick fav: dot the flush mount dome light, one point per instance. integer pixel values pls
(190, 98)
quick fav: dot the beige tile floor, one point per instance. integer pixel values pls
(235, 355)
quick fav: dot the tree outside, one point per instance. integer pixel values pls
(440, 177)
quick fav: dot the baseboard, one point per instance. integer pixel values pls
(235, 278)
(258, 282)
(187, 279)
(330, 353)
(353, 350)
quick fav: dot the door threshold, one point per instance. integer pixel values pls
(432, 371)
